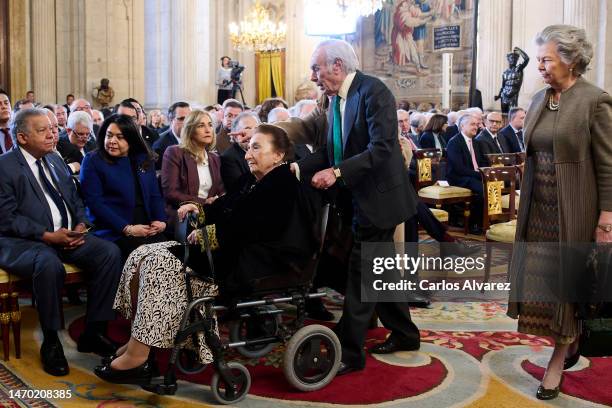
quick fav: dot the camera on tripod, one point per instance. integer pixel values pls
(236, 74)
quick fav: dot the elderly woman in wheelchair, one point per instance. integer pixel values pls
(259, 241)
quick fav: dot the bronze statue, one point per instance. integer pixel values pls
(512, 79)
(103, 95)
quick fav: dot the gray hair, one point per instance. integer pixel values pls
(272, 116)
(452, 117)
(21, 121)
(464, 118)
(572, 45)
(417, 120)
(79, 117)
(297, 108)
(243, 115)
(340, 50)
(101, 114)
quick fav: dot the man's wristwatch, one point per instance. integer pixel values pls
(337, 173)
(605, 227)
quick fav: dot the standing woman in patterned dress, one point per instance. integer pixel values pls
(566, 196)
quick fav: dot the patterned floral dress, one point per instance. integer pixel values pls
(162, 296)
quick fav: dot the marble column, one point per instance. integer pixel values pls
(44, 69)
(585, 14)
(494, 42)
(19, 44)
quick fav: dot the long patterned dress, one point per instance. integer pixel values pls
(162, 296)
(542, 261)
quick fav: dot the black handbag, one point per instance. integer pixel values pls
(595, 307)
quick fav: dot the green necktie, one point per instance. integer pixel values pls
(337, 132)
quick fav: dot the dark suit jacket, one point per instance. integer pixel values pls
(450, 132)
(233, 167)
(373, 167)
(488, 145)
(223, 140)
(110, 196)
(460, 168)
(180, 181)
(150, 136)
(24, 210)
(165, 140)
(71, 153)
(510, 139)
(428, 142)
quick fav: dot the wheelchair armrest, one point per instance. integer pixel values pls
(181, 228)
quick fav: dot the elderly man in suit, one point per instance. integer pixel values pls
(489, 139)
(362, 161)
(512, 134)
(78, 141)
(177, 112)
(42, 225)
(465, 157)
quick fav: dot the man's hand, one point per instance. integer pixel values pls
(140, 230)
(324, 179)
(65, 238)
(157, 227)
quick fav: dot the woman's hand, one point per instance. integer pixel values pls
(139, 230)
(157, 227)
(185, 209)
(605, 218)
(193, 238)
(211, 200)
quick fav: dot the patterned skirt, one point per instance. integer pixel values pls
(154, 273)
(542, 261)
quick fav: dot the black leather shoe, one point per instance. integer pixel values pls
(345, 369)
(96, 343)
(572, 360)
(459, 248)
(140, 375)
(108, 359)
(53, 359)
(548, 394)
(392, 344)
(317, 311)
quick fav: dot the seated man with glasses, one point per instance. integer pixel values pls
(77, 141)
(489, 138)
(177, 113)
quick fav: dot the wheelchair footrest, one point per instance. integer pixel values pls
(159, 387)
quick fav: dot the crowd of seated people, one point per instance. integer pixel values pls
(136, 174)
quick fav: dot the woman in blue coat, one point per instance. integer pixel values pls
(120, 188)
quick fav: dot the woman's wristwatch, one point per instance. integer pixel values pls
(605, 227)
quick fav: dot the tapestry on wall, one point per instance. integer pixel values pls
(403, 44)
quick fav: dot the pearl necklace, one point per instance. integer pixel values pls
(552, 105)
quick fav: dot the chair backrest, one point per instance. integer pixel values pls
(498, 181)
(429, 167)
(502, 159)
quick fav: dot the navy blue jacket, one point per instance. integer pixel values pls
(110, 197)
(428, 142)
(507, 134)
(460, 168)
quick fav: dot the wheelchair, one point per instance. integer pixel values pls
(312, 353)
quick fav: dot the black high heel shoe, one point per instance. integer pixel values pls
(571, 360)
(548, 394)
(140, 375)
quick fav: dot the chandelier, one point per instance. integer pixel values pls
(257, 32)
(362, 7)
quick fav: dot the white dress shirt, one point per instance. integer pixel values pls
(55, 212)
(205, 178)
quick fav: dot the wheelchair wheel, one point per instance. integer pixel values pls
(253, 327)
(188, 362)
(312, 358)
(223, 392)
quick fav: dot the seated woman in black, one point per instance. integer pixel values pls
(263, 229)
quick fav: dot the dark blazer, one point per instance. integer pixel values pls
(428, 142)
(223, 140)
(510, 139)
(24, 210)
(165, 140)
(150, 136)
(109, 193)
(488, 145)
(373, 167)
(460, 171)
(233, 167)
(450, 132)
(70, 152)
(180, 181)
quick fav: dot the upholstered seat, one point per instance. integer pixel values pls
(506, 200)
(502, 232)
(440, 215)
(4, 277)
(440, 192)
